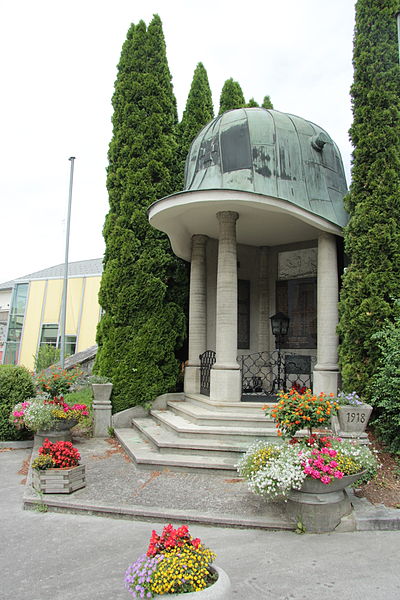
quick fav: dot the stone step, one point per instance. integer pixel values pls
(181, 427)
(165, 441)
(230, 407)
(202, 415)
(146, 457)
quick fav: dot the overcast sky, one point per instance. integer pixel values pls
(58, 71)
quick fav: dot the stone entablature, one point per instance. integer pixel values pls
(297, 263)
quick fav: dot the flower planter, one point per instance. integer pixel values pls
(321, 506)
(60, 431)
(220, 590)
(59, 481)
(354, 419)
(64, 424)
(102, 391)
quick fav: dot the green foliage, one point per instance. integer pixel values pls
(81, 396)
(198, 112)
(57, 381)
(16, 385)
(252, 104)
(231, 96)
(384, 386)
(144, 286)
(372, 237)
(267, 103)
(43, 462)
(46, 356)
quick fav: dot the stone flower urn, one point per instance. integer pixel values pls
(321, 506)
(102, 391)
(220, 590)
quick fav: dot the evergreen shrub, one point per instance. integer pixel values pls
(384, 387)
(144, 285)
(16, 385)
(372, 237)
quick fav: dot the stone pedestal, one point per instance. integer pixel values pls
(321, 507)
(225, 376)
(101, 409)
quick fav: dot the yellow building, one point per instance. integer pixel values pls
(35, 310)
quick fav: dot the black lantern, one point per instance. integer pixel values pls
(279, 324)
(280, 327)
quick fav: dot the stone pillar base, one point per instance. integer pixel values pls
(102, 418)
(191, 383)
(325, 380)
(225, 384)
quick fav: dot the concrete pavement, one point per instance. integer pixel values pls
(52, 556)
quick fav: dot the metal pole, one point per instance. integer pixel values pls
(65, 286)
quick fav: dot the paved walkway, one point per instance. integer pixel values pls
(52, 556)
(116, 487)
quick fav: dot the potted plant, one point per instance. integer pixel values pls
(57, 470)
(102, 388)
(300, 470)
(353, 414)
(43, 415)
(176, 563)
(297, 410)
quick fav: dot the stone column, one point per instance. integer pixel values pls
(326, 371)
(264, 326)
(225, 377)
(197, 313)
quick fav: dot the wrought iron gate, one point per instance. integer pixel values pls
(269, 372)
(207, 359)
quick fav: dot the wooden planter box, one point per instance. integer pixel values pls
(59, 481)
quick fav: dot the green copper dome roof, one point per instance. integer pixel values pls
(271, 153)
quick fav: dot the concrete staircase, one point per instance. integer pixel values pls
(193, 433)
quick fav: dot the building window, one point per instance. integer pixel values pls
(70, 344)
(297, 298)
(50, 336)
(243, 314)
(15, 324)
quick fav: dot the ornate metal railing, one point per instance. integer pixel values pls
(207, 359)
(266, 373)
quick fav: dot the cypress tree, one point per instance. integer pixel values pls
(252, 104)
(231, 96)
(143, 288)
(371, 282)
(198, 112)
(267, 102)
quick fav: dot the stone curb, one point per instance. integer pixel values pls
(365, 516)
(153, 513)
(17, 445)
(374, 517)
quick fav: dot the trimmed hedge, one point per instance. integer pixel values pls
(16, 385)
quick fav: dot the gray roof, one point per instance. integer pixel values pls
(271, 153)
(93, 266)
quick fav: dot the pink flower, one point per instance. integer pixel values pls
(333, 464)
(338, 474)
(325, 479)
(332, 453)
